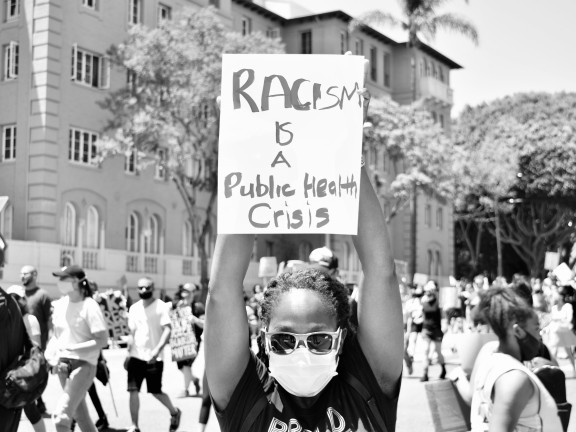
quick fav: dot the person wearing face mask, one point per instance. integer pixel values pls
(149, 324)
(312, 373)
(507, 396)
(80, 333)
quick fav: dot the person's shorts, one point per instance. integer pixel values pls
(138, 370)
(182, 363)
(415, 328)
(435, 334)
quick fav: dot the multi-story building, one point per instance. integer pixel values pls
(118, 222)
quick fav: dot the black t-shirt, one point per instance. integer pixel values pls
(339, 407)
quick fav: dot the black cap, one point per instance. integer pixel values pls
(70, 271)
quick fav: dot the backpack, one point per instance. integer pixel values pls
(25, 379)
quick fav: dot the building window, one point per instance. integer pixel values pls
(246, 26)
(343, 42)
(82, 147)
(9, 143)
(6, 218)
(434, 116)
(374, 64)
(91, 4)
(306, 42)
(69, 228)
(152, 236)
(304, 250)
(387, 69)
(164, 13)
(359, 47)
(442, 121)
(426, 68)
(273, 32)
(161, 173)
(269, 248)
(12, 8)
(92, 228)
(428, 215)
(430, 261)
(441, 73)
(438, 264)
(11, 56)
(434, 71)
(439, 218)
(215, 3)
(130, 161)
(133, 233)
(135, 11)
(90, 69)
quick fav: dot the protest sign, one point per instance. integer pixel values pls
(113, 306)
(182, 338)
(551, 260)
(290, 144)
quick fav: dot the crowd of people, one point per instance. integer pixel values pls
(324, 357)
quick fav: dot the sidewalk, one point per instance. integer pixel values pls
(413, 412)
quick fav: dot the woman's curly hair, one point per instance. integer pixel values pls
(334, 296)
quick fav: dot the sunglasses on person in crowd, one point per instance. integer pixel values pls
(317, 342)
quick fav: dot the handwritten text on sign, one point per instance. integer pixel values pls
(290, 144)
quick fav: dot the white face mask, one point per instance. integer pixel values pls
(303, 373)
(65, 287)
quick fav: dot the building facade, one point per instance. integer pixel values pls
(119, 222)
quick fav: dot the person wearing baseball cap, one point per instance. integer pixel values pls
(81, 333)
(323, 259)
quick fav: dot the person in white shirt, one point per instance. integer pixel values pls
(150, 328)
(81, 333)
(33, 329)
(507, 396)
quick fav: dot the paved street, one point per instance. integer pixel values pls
(413, 411)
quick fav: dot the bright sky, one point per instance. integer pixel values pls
(525, 45)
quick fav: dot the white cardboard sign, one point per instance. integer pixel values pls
(290, 144)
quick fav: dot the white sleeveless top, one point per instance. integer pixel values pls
(540, 414)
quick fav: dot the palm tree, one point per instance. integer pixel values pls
(420, 17)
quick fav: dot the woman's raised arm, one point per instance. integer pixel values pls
(380, 331)
(226, 326)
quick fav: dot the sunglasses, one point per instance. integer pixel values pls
(283, 343)
(146, 287)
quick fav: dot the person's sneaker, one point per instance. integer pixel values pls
(133, 429)
(175, 420)
(424, 378)
(102, 424)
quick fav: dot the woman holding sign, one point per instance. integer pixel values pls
(315, 374)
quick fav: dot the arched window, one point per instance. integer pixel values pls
(187, 239)
(6, 221)
(430, 262)
(428, 215)
(69, 229)
(439, 218)
(438, 263)
(133, 233)
(153, 235)
(92, 227)
(304, 249)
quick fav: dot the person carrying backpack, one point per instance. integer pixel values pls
(12, 337)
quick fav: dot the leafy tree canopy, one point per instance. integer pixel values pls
(167, 113)
(418, 148)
